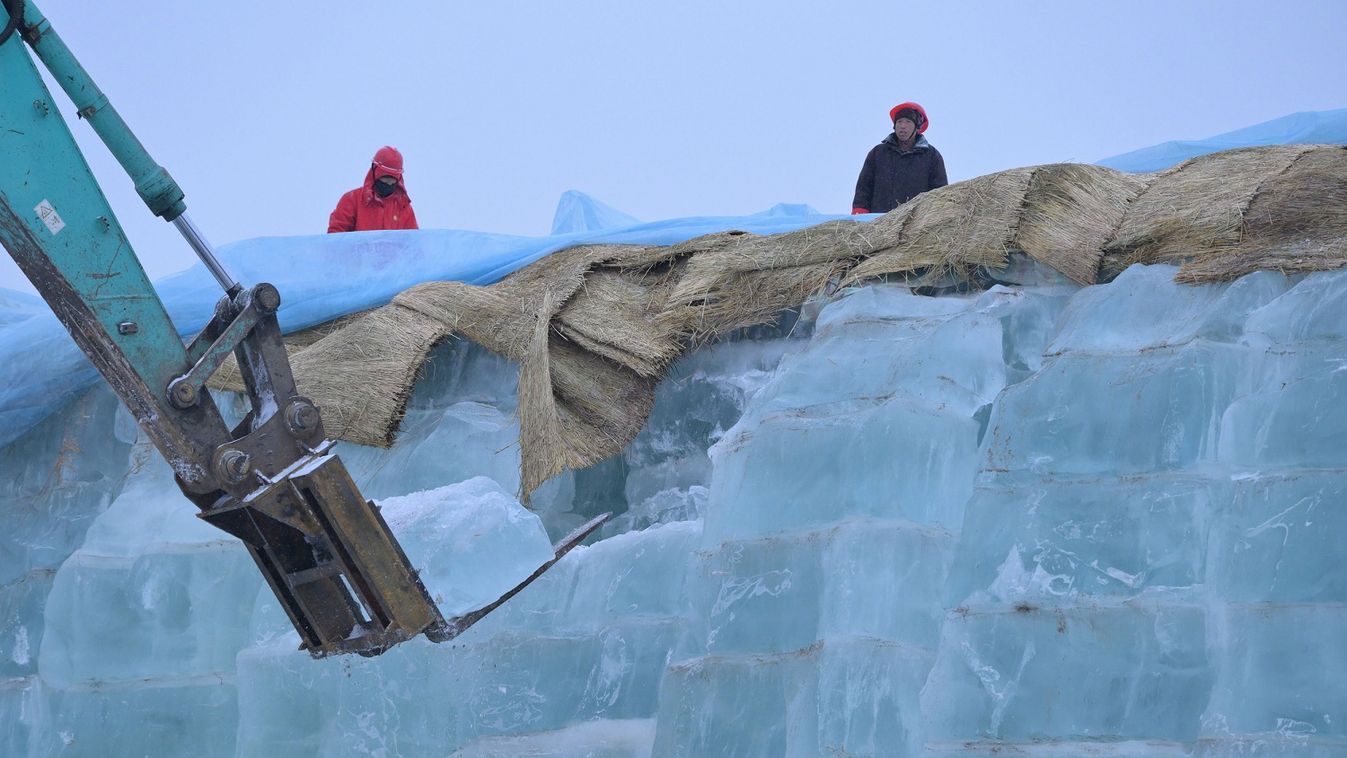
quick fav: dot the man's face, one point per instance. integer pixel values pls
(903, 128)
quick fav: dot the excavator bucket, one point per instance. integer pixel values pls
(337, 569)
(331, 560)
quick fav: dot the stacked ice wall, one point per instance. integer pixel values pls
(1141, 562)
(1036, 519)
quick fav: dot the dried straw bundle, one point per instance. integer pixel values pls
(1194, 208)
(593, 328)
(1297, 222)
(1070, 211)
(953, 229)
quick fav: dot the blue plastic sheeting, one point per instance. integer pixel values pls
(1310, 128)
(322, 277)
(578, 212)
(17, 306)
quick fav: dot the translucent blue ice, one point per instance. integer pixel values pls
(1038, 520)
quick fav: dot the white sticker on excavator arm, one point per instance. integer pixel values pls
(50, 217)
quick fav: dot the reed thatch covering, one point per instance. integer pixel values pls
(593, 328)
(1296, 223)
(1195, 208)
(1070, 211)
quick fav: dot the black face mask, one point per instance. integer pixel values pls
(384, 189)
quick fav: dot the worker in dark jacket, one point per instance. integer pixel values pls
(381, 203)
(901, 167)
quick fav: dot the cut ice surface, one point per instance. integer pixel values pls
(994, 748)
(663, 507)
(1297, 417)
(701, 397)
(58, 478)
(1058, 543)
(1040, 520)
(1310, 312)
(436, 446)
(1144, 308)
(588, 640)
(814, 602)
(21, 625)
(154, 583)
(875, 343)
(867, 578)
(471, 541)
(1124, 488)
(1278, 689)
(605, 738)
(170, 718)
(637, 575)
(1277, 538)
(149, 608)
(853, 696)
(878, 416)
(782, 472)
(1028, 674)
(1120, 414)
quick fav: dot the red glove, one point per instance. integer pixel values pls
(859, 211)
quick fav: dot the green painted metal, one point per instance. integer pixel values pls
(46, 182)
(327, 553)
(153, 183)
(60, 230)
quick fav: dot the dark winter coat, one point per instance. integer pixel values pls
(362, 209)
(891, 176)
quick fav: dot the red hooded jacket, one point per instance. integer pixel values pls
(362, 209)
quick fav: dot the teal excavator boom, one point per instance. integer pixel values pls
(272, 480)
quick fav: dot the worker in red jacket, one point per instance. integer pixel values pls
(381, 203)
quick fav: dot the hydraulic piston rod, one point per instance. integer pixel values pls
(206, 253)
(152, 181)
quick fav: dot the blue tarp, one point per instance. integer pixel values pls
(1311, 128)
(325, 276)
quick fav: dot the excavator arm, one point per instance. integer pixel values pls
(271, 481)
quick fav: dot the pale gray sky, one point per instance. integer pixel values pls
(266, 112)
